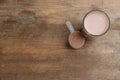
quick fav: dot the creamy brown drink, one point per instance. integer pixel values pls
(96, 23)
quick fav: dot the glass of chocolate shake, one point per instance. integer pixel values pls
(95, 23)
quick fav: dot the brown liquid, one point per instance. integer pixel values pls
(76, 40)
(96, 23)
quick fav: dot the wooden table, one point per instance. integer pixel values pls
(34, 46)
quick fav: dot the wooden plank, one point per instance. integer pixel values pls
(93, 61)
(56, 11)
(34, 46)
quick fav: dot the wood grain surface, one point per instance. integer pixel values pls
(34, 46)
